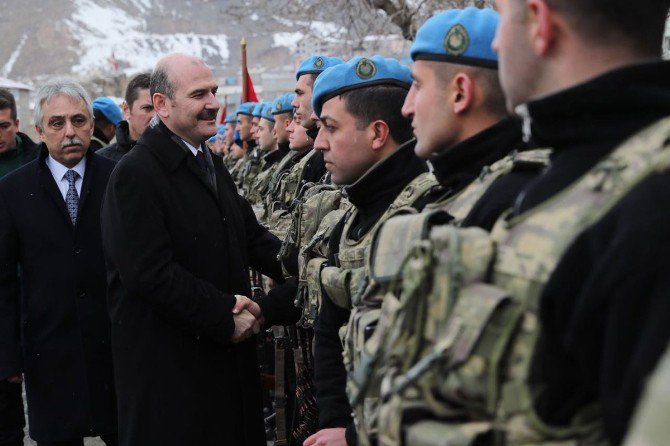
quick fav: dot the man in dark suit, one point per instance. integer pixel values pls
(179, 242)
(53, 325)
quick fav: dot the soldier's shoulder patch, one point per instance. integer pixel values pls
(365, 68)
(457, 40)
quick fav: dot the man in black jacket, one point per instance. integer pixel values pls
(137, 110)
(585, 76)
(16, 148)
(54, 325)
(179, 242)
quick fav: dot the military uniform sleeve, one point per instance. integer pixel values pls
(262, 246)
(137, 245)
(278, 306)
(330, 377)
(11, 362)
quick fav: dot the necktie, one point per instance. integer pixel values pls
(200, 159)
(72, 197)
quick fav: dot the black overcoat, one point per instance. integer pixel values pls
(54, 326)
(177, 250)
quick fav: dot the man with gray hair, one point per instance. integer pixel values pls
(179, 242)
(54, 327)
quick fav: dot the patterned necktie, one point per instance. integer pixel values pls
(72, 197)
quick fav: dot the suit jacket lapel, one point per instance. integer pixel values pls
(89, 177)
(48, 184)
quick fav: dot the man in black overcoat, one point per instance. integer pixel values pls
(54, 327)
(179, 242)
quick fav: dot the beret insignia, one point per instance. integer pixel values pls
(457, 40)
(365, 68)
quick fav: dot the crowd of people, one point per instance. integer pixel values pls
(466, 251)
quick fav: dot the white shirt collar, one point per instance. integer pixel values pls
(193, 149)
(58, 170)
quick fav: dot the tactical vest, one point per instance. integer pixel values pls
(283, 195)
(459, 338)
(251, 169)
(460, 204)
(395, 238)
(309, 236)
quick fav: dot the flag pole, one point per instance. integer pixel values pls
(244, 70)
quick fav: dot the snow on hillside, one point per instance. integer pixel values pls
(103, 30)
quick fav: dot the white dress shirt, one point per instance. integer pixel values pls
(193, 150)
(58, 171)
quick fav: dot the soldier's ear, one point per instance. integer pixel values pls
(542, 25)
(380, 133)
(462, 96)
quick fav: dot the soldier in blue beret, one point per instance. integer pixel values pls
(368, 148)
(307, 73)
(255, 117)
(244, 115)
(282, 110)
(265, 130)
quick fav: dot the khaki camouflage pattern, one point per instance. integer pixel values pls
(460, 205)
(237, 168)
(251, 170)
(309, 211)
(345, 282)
(283, 195)
(229, 161)
(650, 425)
(458, 340)
(391, 244)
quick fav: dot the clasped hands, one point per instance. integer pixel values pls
(248, 319)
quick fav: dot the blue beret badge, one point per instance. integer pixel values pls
(365, 68)
(319, 63)
(457, 40)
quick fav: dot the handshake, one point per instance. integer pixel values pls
(248, 319)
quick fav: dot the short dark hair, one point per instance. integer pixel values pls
(100, 119)
(139, 82)
(486, 78)
(380, 102)
(160, 82)
(641, 24)
(7, 101)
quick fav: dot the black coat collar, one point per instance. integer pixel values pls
(604, 110)
(459, 165)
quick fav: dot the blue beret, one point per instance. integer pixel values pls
(358, 72)
(267, 112)
(231, 118)
(246, 108)
(258, 110)
(220, 128)
(316, 64)
(461, 36)
(283, 104)
(109, 109)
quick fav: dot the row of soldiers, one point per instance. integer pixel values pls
(495, 279)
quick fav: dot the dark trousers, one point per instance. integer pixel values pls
(110, 440)
(12, 420)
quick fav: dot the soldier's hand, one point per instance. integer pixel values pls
(328, 437)
(246, 325)
(244, 303)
